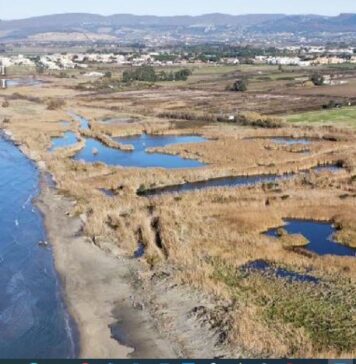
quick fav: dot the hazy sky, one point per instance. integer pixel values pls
(14, 9)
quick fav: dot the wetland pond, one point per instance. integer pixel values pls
(23, 82)
(284, 140)
(68, 139)
(84, 123)
(139, 157)
(291, 141)
(264, 267)
(34, 322)
(319, 234)
(239, 181)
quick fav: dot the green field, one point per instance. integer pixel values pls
(343, 117)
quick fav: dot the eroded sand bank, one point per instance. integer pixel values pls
(95, 284)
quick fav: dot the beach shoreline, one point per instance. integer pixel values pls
(99, 290)
(75, 257)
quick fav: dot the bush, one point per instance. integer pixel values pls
(142, 73)
(333, 104)
(54, 104)
(238, 86)
(5, 104)
(259, 120)
(182, 75)
(63, 74)
(317, 79)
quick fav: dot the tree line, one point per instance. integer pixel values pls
(149, 74)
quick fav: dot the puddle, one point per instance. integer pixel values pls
(23, 82)
(278, 272)
(95, 151)
(134, 329)
(319, 235)
(107, 192)
(68, 139)
(291, 141)
(140, 251)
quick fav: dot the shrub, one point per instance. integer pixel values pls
(317, 79)
(54, 104)
(333, 104)
(148, 74)
(259, 120)
(182, 75)
(142, 73)
(5, 104)
(238, 86)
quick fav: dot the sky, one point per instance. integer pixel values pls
(16, 9)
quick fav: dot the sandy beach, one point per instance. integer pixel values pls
(106, 297)
(94, 283)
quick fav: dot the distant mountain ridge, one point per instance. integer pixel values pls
(309, 23)
(80, 19)
(263, 23)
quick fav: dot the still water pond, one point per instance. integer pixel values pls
(319, 234)
(139, 157)
(261, 266)
(67, 140)
(238, 181)
(291, 141)
(33, 319)
(23, 82)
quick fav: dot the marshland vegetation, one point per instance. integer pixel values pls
(205, 238)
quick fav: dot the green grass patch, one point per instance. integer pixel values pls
(325, 311)
(345, 116)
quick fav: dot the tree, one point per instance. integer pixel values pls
(142, 73)
(182, 75)
(162, 76)
(239, 86)
(170, 76)
(317, 79)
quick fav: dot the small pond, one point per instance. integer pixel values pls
(215, 182)
(144, 141)
(319, 234)
(291, 141)
(268, 269)
(139, 157)
(23, 82)
(68, 139)
(238, 181)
